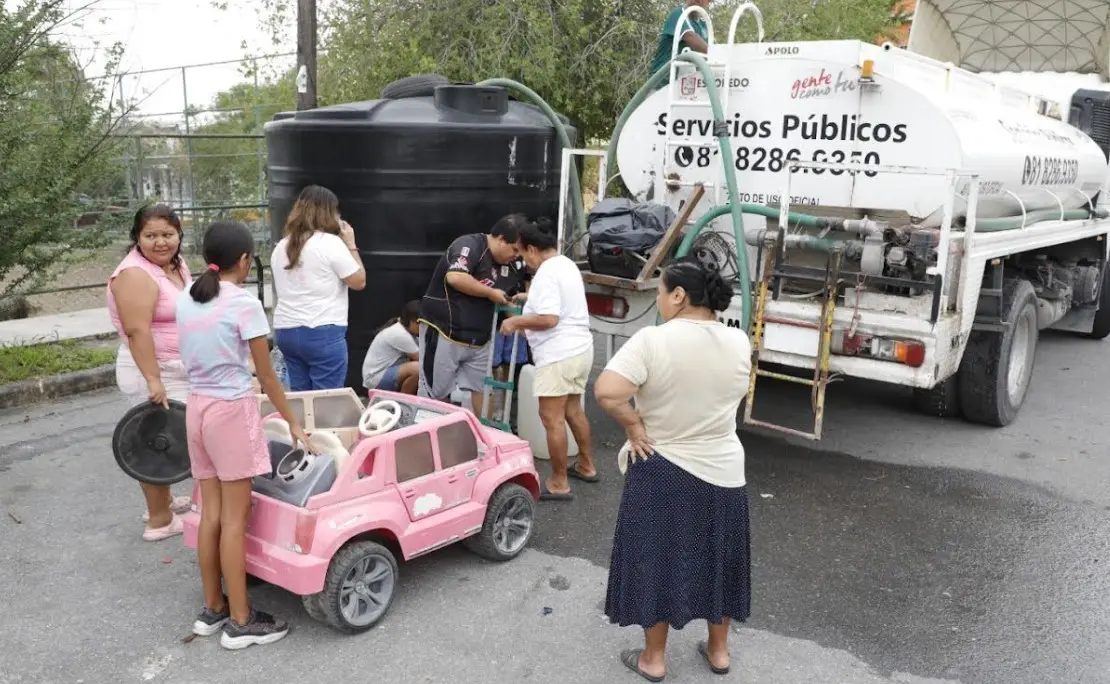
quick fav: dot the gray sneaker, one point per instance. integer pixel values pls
(261, 628)
(209, 622)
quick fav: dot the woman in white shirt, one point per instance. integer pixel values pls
(313, 266)
(557, 324)
(681, 547)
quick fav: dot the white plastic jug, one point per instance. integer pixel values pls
(529, 425)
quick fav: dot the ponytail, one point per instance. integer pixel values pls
(386, 325)
(409, 314)
(206, 287)
(225, 245)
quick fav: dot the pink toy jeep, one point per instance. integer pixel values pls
(405, 475)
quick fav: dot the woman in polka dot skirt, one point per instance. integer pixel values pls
(681, 547)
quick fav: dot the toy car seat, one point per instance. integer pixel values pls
(277, 430)
(297, 475)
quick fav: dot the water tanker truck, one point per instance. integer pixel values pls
(890, 214)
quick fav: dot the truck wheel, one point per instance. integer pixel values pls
(1101, 328)
(359, 588)
(942, 401)
(508, 526)
(998, 366)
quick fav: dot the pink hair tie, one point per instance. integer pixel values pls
(213, 267)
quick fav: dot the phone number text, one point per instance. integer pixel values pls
(774, 159)
(1050, 171)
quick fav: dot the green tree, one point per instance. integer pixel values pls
(56, 146)
(585, 57)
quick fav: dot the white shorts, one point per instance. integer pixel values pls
(132, 384)
(566, 378)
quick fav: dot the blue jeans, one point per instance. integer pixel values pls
(315, 358)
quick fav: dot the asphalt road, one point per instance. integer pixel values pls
(904, 549)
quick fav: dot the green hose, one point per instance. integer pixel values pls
(722, 140)
(564, 140)
(744, 273)
(645, 91)
(993, 225)
(798, 241)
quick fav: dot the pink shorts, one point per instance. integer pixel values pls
(225, 438)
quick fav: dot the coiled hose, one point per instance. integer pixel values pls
(564, 140)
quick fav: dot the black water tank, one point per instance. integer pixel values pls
(412, 175)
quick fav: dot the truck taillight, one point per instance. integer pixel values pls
(908, 352)
(604, 305)
(305, 532)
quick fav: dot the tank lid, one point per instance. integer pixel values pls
(472, 99)
(349, 111)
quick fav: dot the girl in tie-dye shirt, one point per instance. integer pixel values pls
(221, 328)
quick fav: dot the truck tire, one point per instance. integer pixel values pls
(508, 527)
(371, 570)
(420, 85)
(1101, 328)
(997, 367)
(942, 401)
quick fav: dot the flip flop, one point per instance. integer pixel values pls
(572, 471)
(631, 660)
(547, 495)
(703, 649)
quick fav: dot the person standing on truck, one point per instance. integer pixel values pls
(456, 313)
(557, 323)
(693, 34)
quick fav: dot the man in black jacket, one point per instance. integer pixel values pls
(457, 310)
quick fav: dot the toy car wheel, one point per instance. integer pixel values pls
(312, 606)
(508, 525)
(359, 588)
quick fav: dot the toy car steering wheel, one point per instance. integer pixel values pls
(379, 418)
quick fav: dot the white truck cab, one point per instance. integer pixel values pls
(907, 219)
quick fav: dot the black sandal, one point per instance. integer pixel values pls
(631, 660)
(548, 495)
(572, 471)
(703, 649)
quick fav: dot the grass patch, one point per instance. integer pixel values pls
(40, 360)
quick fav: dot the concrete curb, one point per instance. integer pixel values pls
(54, 386)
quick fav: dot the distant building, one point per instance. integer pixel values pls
(156, 166)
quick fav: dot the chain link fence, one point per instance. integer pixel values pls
(199, 151)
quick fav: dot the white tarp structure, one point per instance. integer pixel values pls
(1015, 35)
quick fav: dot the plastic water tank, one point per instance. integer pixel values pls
(412, 174)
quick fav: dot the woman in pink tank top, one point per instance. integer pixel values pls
(142, 301)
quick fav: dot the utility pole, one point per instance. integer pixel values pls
(306, 54)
